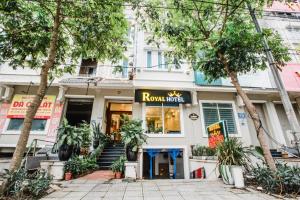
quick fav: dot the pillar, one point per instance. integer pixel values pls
(275, 126)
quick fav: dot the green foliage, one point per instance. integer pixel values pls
(199, 150)
(286, 180)
(231, 152)
(67, 134)
(98, 135)
(132, 133)
(85, 130)
(78, 166)
(217, 38)
(119, 165)
(23, 185)
(92, 29)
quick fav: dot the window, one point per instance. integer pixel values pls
(162, 119)
(88, 67)
(159, 60)
(214, 112)
(125, 68)
(17, 124)
(149, 59)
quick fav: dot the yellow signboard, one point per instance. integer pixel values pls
(20, 103)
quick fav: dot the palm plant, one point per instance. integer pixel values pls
(231, 152)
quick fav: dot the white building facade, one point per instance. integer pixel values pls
(96, 94)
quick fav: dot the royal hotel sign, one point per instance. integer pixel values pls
(163, 96)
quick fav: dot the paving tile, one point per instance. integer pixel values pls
(153, 198)
(96, 194)
(75, 195)
(57, 194)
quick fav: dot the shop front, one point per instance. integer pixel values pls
(165, 154)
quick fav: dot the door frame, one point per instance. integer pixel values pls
(110, 113)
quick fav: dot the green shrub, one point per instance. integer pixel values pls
(199, 150)
(23, 185)
(231, 152)
(286, 180)
(78, 166)
(119, 165)
(85, 130)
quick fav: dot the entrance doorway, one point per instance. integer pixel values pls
(114, 113)
(163, 164)
(79, 110)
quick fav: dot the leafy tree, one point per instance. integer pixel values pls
(51, 35)
(218, 38)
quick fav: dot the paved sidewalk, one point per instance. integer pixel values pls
(152, 190)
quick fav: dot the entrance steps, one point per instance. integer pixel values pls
(110, 153)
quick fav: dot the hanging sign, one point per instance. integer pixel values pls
(163, 96)
(217, 133)
(193, 116)
(20, 103)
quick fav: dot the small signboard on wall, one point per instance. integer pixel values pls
(217, 133)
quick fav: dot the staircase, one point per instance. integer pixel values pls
(110, 153)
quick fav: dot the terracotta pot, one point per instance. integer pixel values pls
(68, 176)
(118, 175)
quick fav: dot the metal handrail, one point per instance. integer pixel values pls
(34, 142)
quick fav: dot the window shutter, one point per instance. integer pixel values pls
(227, 115)
(210, 116)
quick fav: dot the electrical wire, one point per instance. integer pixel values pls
(282, 146)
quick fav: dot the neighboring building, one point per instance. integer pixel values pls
(175, 105)
(284, 18)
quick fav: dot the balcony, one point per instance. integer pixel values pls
(200, 80)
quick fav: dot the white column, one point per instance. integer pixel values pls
(98, 108)
(186, 168)
(275, 126)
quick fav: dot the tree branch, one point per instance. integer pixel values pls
(203, 30)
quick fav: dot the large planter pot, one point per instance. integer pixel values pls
(65, 152)
(226, 174)
(237, 173)
(57, 170)
(131, 155)
(96, 144)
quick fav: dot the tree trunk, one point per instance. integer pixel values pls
(252, 111)
(32, 109)
(256, 120)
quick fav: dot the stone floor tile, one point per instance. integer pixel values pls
(96, 194)
(75, 195)
(153, 198)
(58, 194)
(133, 198)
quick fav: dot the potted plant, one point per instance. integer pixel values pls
(68, 140)
(118, 167)
(203, 152)
(98, 136)
(85, 130)
(232, 157)
(132, 137)
(68, 171)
